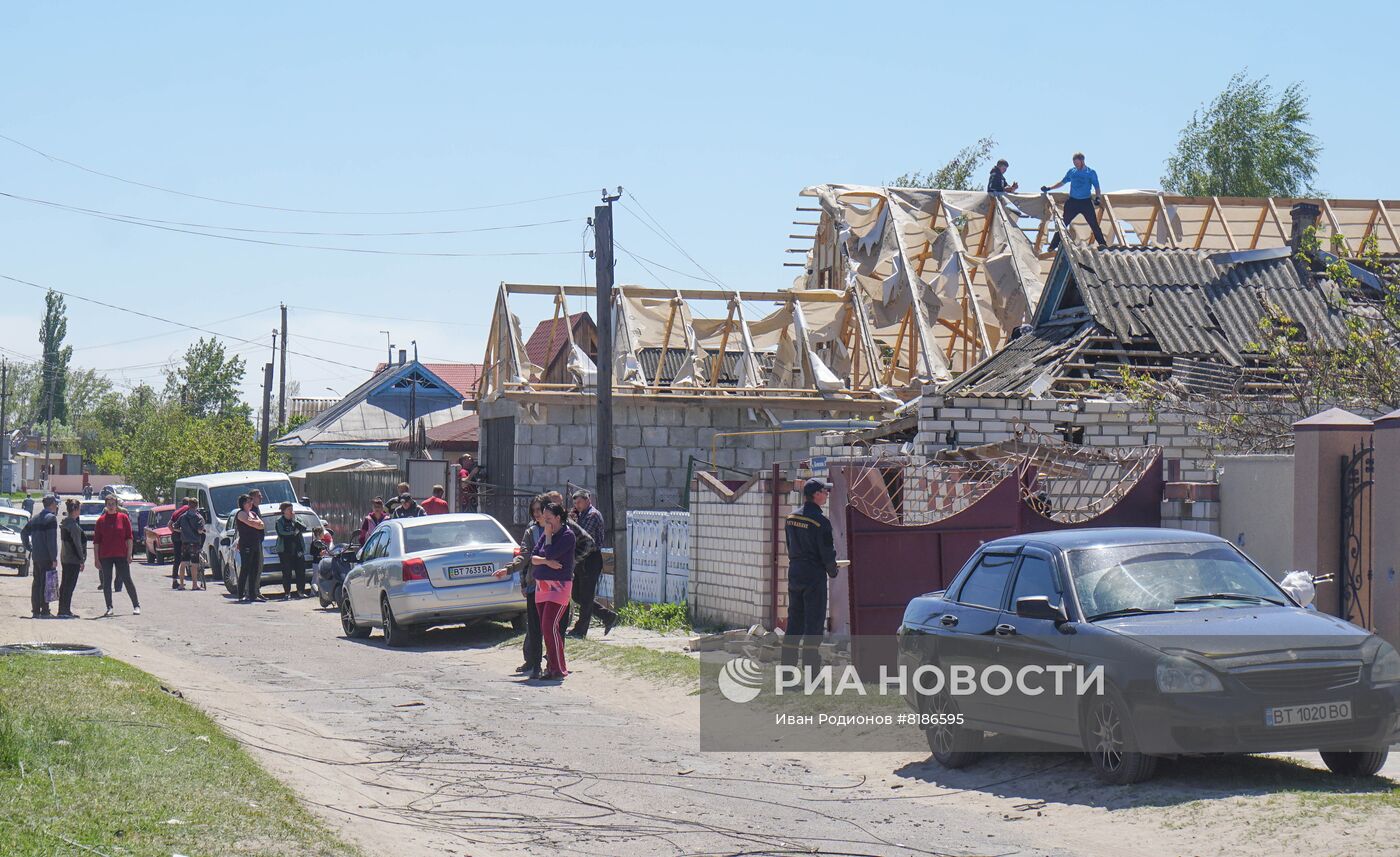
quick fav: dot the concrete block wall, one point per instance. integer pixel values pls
(978, 420)
(731, 554)
(656, 440)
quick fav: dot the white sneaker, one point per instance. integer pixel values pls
(136, 611)
(108, 613)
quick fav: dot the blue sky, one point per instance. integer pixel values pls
(714, 116)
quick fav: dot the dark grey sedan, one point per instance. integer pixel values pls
(1197, 650)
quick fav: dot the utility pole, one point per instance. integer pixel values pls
(282, 375)
(5, 484)
(603, 255)
(266, 412)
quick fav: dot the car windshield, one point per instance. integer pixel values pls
(92, 508)
(225, 497)
(449, 534)
(161, 518)
(123, 489)
(13, 521)
(1166, 578)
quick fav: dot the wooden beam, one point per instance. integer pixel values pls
(1278, 221)
(1112, 218)
(1224, 224)
(1167, 221)
(1148, 236)
(1205, 224)
(665, 343)
(823, 296)
(1259, 226)
(718, 362)
(868, 404)
(1370, 225)
(1332, 219)
(1389, 227)
(898, 344)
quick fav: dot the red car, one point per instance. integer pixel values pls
(158, 546)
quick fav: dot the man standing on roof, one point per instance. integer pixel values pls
(1084, 193)
(996, 183)
(811, 560)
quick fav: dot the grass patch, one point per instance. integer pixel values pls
(96, 758)
(670, 667)
(664, 618)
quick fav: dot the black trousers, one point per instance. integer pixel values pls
(584, 592)
(806, 623)
(37, 603)
(67, 585)
(179, 548)
(1075, 208)
(118, 568)
(293, 562)
(250, 572)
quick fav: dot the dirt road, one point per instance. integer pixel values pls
(439, 749)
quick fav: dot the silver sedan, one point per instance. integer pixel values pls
(414, 573)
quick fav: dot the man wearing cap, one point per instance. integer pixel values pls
(40, 538)
(811, 560)
(407, 507)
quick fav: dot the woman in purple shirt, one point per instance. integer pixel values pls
(552, 565)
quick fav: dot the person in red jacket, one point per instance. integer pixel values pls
(436, 504)
(112, 542)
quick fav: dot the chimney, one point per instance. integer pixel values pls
(403, 356)
(1304, 215)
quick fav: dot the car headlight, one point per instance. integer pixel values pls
(1386, 666)
(1178, 675)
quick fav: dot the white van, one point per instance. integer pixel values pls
(217, 494)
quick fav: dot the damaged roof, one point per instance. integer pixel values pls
(1174, 313)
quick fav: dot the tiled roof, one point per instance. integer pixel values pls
(538, 347)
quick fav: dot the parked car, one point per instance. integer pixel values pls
(1202, 652)
(124, 493)
(416, 573)
(230, 562)
(217, 495)
(12, 552)
(88, 513)
(156, 536)
(139, 511)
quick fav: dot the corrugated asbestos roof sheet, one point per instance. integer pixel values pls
(1192, 306)
(1014, 368)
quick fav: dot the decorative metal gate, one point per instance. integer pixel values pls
(1358, 479)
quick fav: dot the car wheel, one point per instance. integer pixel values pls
(352, 629)
(953, 745)
(323, 595)
(1358, 763)
(517, 622)
(230, 577)
(395, 635)
(1111, 743)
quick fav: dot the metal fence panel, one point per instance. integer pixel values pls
(343, 499)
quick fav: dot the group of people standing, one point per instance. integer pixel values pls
(561, 560)
(55, 544)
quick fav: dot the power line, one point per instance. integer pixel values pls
(186, 194)
(246, 240)
(78, 209)
(147, 315)
(167, 332)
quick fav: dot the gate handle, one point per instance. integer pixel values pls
(1005, 630)
(948, 620)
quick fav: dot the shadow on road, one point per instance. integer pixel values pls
(481, 634)
(1061, 777)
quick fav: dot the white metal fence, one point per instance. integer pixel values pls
(658, 553)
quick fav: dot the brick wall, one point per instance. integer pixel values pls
(1105, 424)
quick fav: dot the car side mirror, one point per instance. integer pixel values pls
(1039, 607)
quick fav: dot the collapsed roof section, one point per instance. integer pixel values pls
(816, 347)
(979, 280)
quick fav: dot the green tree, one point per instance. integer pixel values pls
(960, 173)
(171, 443)
(1250, 141)
(54, 365)
(207, 383)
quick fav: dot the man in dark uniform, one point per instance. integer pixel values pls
(811, 560)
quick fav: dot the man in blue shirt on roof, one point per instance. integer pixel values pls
(1083, 198)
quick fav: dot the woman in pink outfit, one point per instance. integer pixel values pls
(552, 565)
